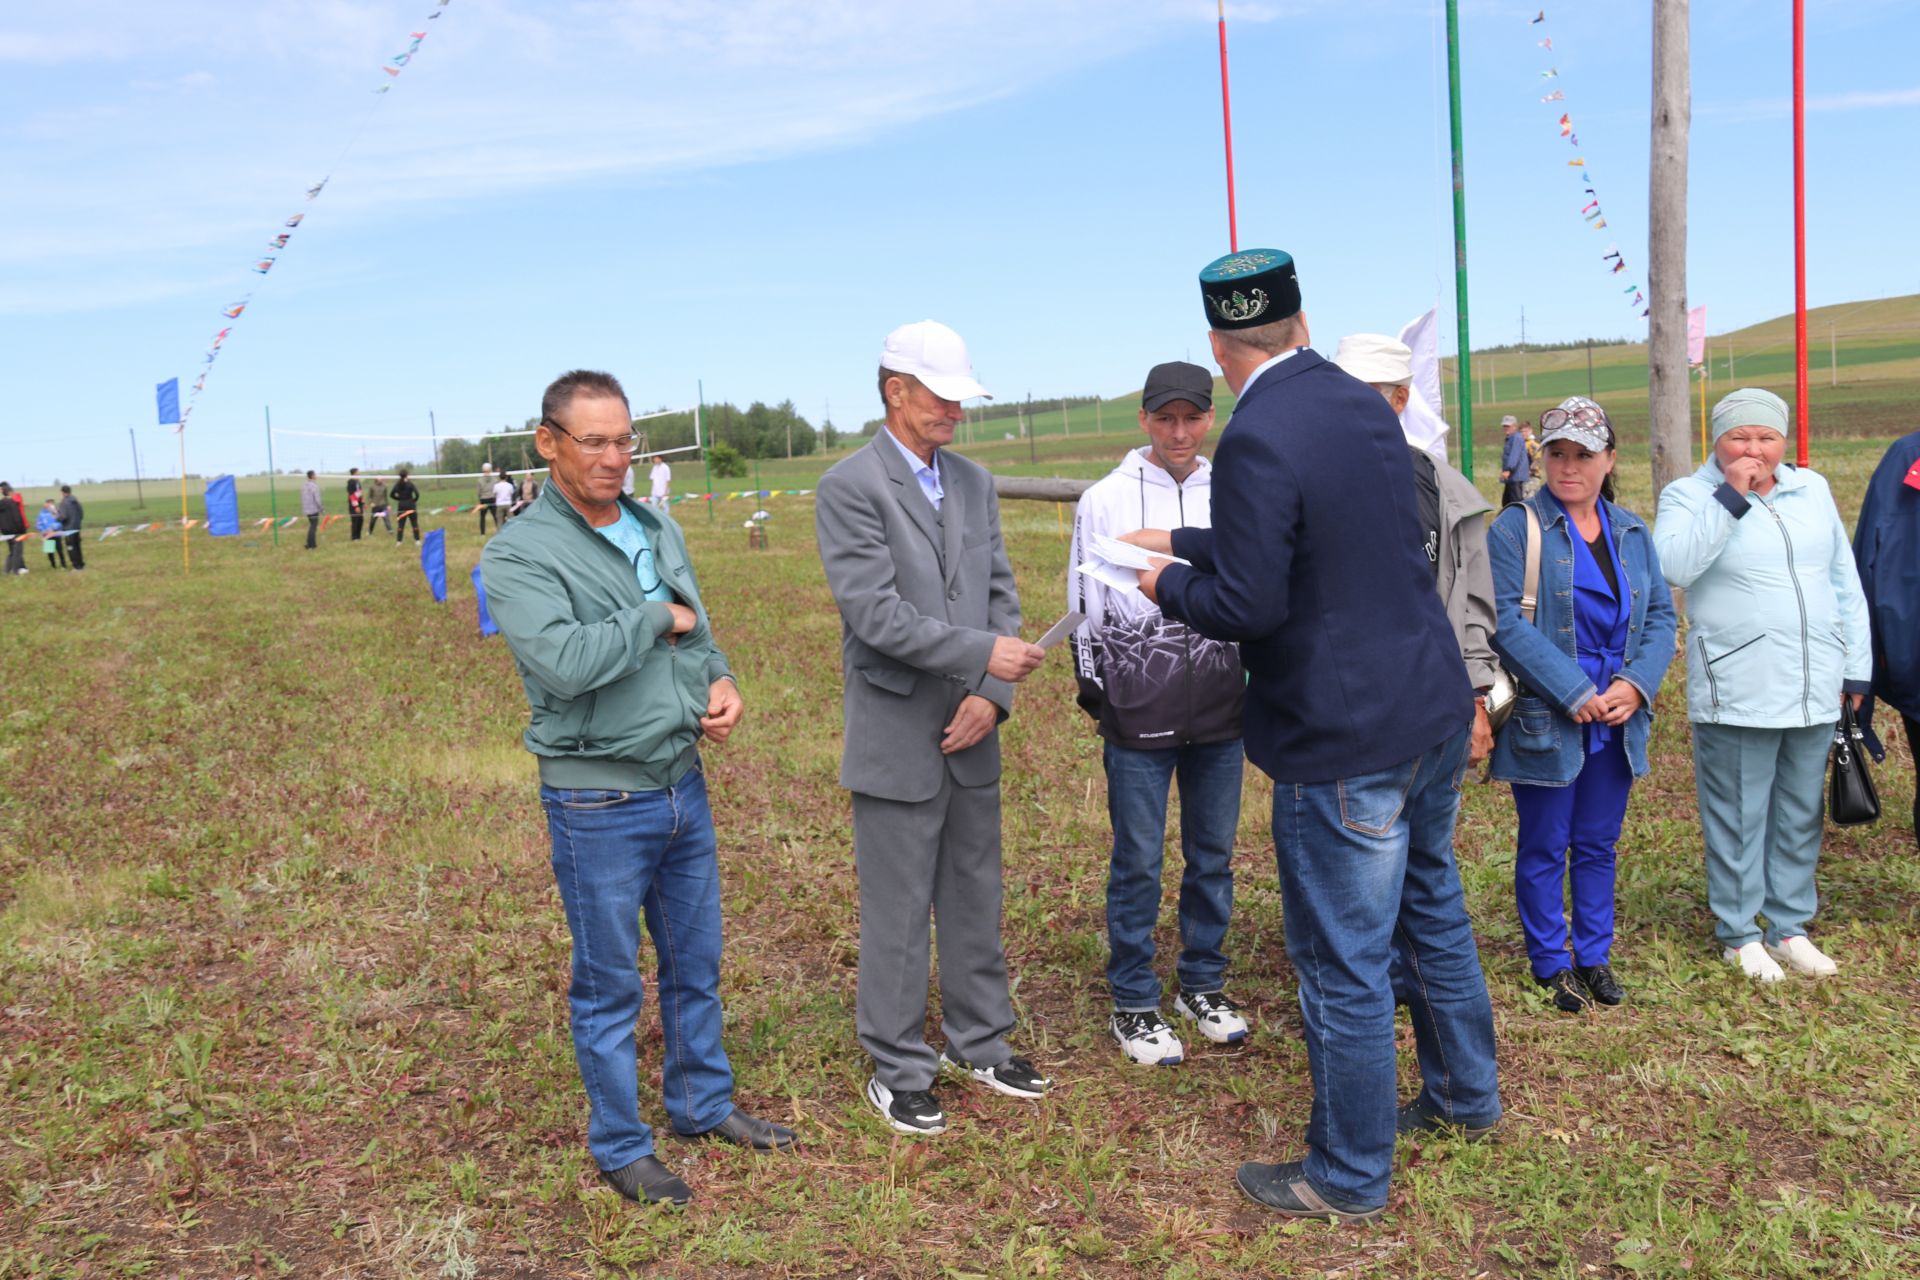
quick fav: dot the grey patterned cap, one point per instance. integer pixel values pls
(1580, 420)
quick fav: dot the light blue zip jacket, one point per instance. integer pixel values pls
(1779, 623)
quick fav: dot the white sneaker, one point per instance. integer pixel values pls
(1754, 962)
(1218, 1018)
(1799, 954)
(1146, 1038)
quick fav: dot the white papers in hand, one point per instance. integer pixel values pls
(1118, 564)
(1062, 629)
(1124, 555)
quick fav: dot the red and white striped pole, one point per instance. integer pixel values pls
(1226, 121)
(1800, 226)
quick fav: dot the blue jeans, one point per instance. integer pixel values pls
(1210, 775)
(617, 854)
(1367, 877)
(1567, 837)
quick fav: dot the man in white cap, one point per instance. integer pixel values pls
(910, 537)
(1453, 524)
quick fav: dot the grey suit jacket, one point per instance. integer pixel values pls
(922, 596)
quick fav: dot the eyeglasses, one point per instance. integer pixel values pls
(1585, 417)
(594, 446)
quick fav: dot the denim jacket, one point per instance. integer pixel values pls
(1541, 744)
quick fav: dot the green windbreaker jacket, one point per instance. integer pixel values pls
(616, 697)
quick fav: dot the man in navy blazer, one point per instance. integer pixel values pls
(1359, 708)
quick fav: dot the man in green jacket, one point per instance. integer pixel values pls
(601, 610)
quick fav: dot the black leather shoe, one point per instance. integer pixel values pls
(1570, 995)
(1410, 1118)
(648, 1181)
(1600, 981)
(1284, 1189)
(748, 1131)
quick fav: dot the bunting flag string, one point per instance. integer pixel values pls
(1592, 212)
(279, 242)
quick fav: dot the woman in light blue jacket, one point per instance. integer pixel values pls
(1779, 634)
(1591, 660)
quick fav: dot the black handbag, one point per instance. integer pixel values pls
(1851, 799)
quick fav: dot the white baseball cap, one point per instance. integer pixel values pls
(1375, 358)
(937, 356)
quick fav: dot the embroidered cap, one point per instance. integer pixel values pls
(1580, 420)
(1249, 288)
(937, 356)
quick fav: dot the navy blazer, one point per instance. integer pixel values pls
(1314, 565)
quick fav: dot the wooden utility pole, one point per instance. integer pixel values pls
(1667, 408)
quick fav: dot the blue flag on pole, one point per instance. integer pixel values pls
(166, 397)
(487, 626)
(223, 508)
(433, 563)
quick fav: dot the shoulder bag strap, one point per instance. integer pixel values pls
(1530, 585)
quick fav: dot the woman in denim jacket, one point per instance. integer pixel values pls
(1590, 663)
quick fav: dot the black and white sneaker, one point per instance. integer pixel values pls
(1146, 1038)
(1218, 1018)
(912, 1111)
(1016, 1077)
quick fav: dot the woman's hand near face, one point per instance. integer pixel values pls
(1744, 473)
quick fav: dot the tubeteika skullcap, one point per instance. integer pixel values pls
(1580, 420)
(1249, 288)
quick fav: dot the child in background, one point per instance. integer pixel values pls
(47, 523)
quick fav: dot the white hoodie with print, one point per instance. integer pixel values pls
(1149, 681)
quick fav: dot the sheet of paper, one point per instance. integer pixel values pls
(1109, 576)
(1062, 629)
(1124, 555)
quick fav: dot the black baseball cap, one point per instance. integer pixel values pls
(1177, 380)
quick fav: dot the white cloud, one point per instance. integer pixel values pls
(134, 165)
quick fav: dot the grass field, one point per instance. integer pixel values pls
(284, 978)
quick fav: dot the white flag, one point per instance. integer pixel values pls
(1421, 421)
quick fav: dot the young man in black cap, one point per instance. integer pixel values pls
(1168, 702)
(1358, 707)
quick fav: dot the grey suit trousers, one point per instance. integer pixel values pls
(946, 851)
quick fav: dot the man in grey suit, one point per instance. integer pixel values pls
(930, 648)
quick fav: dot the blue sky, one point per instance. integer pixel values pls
(751, 195)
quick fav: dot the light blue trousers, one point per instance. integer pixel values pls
(1762, 800)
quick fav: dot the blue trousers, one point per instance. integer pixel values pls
(1567, 837)
(1367, 876)
(1210, 775)
(618, 855)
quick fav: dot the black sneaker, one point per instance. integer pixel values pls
(648, 1181)
(1570, 995)
(1412, 1118)
(1016, 1077)
(1284, 1189)
(910, 1111)
(1601, 983)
